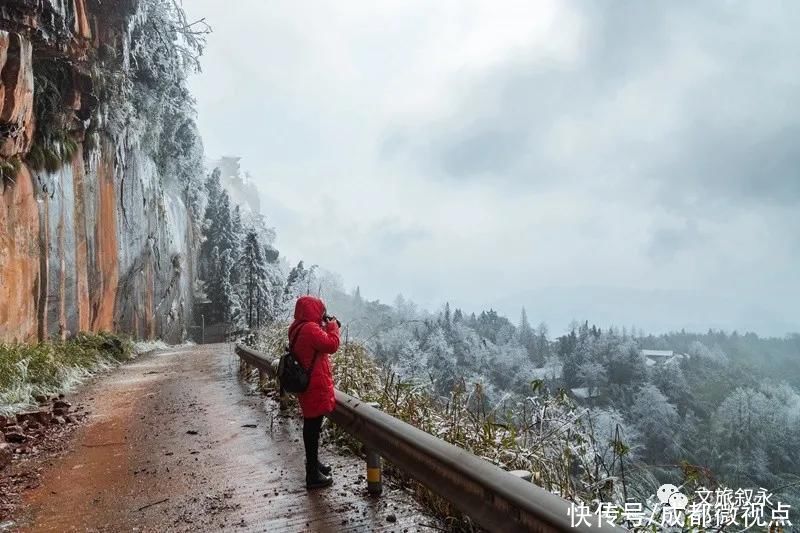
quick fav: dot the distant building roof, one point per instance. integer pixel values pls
(662, 357)
(657, 353)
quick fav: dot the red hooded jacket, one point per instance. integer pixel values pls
(312, 338)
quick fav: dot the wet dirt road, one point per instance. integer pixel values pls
(176, 442)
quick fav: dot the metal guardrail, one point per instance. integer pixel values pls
(490, 496)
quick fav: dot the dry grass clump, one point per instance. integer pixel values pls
(28, 370)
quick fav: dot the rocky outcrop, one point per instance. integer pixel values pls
(20, 255)
(16, 94)
(101, 238)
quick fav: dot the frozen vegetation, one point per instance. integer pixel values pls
(588, 412)
(28, 371)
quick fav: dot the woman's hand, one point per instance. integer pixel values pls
(332, 319)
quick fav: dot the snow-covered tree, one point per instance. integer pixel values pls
(219, 253)
(658, 421)
(593, 375)
(255, 282)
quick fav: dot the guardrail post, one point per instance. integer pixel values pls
(374, 474)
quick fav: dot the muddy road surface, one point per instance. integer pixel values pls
(177, 442)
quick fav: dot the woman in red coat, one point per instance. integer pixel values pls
(314, 336)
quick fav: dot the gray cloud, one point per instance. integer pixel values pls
(396, 237)
(492, 156)
(744, 163)
(719, 119)
(482, 151)
(666, 241)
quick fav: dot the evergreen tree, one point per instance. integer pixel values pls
(357, 300)
(219, 252)
(255, 281)
(297, 283)
(238, 236)
(526, 336)
(542, 344)
(219, 287)
(296, 277)
(213, 187)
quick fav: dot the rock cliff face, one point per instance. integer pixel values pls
(96, 218)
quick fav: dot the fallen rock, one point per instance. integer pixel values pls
(61, 404)
(60, 411)
(59, 420)
(5, 455)
(3, 421)
(41, 417)
(40, 399)
(31, 425)
(391, 518)
(14, 434)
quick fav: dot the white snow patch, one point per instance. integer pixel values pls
(143, 347)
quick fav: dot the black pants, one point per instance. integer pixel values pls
(311, 429)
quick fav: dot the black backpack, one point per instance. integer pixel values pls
(291, 374)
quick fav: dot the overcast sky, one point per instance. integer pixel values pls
(630, 163)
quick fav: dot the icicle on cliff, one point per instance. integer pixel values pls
(101, 164)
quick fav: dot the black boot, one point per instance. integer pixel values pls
(315, 476)
(317, 480)
(324, 469)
